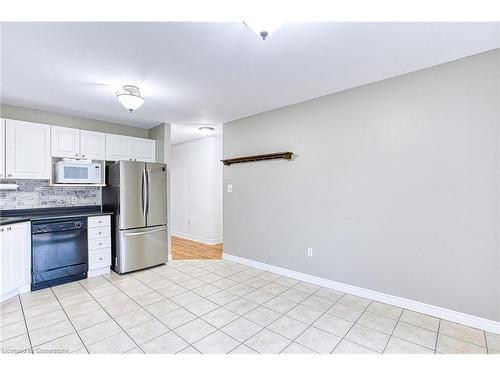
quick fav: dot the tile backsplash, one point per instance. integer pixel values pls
(38, 194)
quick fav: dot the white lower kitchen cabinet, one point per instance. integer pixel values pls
(27, 150)
(15, 259)
(99, 244)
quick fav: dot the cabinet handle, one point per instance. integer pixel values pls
(100, 258)
(1, 229)
(9, 175)
(9, 228)
(76, 154)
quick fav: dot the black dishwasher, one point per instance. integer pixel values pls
(59, 252)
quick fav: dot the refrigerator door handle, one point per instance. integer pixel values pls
(148, 175)
(144, 232)
(144, 193)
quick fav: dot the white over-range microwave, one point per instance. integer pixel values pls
(78, 172)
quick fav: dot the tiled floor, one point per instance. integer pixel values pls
(216, 306)
(186, 249)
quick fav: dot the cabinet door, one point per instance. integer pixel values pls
(92, 145)
(15, 256)
(2, 148)
(144, 150)
(64, 142)
(119, 147)
(27, 150)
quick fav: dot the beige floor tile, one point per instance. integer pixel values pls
(93, 283)
(451, 345)
(147, 331)
(148, 299)
(127, 284)
(12, 304)
(192, 284)
(121, 308)
(262, 316)
(160, 284)
(280, 305)
(241, 306)
(220, 317)
(116, 344)
(113, 299)
(194, 330)
(99, 332)
(398, 346)
(349, 347)
(222, 298)
(241, 329)
(304, 314)
(185, 298)
(368, 337)
(104, 291)
(65, 344)
(75, 299)
(72, 290)
(201, 307)
(334, 325)
(12, 330)
(188, 350)
(167, 343)
(11, 318)
(133, 318)
(295, 348)
(46, 334)
(377, 322)
(243, 349)
(206, 290)
(331, 294)
(287, 327)
(16, 345)
(82, 308)
(256, 282)
(42, 309)
(461, 332)
(162, 307)
(317, 303)
(89, 319)
(135, 350)
(355, 301)
(273, 288)
(210, 277)
(294, 295)
(45, 320)
(240, 290)
(318, 340)
(307, 287)
(286, 281)
(384, 309)
(37, 299)
(269, 276)
(345, 312)
(493, 342)
(216, 343)
(177, 318)
(267, 342)
(139, 291)
(420, 320)
(417, 335)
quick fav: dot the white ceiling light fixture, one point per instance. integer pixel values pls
(130, 97)
(206, 130)
(263, 28)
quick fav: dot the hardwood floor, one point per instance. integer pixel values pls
(186, 249)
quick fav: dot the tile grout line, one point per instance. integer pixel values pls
(393, 329)
(25, 325)
(437, 336)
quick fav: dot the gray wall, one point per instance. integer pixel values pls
(395, 186)
(34, 115)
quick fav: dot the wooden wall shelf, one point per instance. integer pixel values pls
(248, 159)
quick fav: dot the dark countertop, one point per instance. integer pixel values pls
(18, 216)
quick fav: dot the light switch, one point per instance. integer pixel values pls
(229, 188)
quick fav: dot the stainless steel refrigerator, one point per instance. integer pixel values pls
(137, 193)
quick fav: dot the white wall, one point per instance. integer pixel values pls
(196, 187)
(395, 186)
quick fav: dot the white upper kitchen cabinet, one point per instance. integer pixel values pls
(27, 148)
(2, 148)
(144, 150)
(120, 147)
(65, 142)
(92, 145)
(15, 259)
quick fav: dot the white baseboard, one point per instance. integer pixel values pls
(192, 237)
(439, 312)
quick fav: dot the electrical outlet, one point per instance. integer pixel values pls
(229, 188)
(309, 252)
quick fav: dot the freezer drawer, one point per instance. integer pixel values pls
(141, 248)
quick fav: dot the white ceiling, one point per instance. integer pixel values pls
(209, 73)
(181, 133)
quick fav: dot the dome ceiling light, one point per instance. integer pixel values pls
(206, 130)
(262, 28)
(130, 97)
